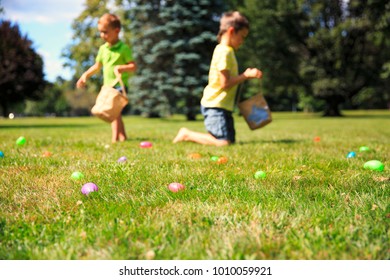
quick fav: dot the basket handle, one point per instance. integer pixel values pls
(239, 91)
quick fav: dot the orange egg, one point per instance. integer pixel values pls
(46, 154)
(194, 156)
(222, 160)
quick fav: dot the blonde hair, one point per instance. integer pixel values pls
(112, 20)
(232, 19)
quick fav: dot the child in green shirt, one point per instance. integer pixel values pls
(116, 59)
(217, 103)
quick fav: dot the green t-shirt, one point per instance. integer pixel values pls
(109, 57)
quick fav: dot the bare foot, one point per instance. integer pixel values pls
(181, 135)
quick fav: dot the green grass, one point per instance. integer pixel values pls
(314, 203)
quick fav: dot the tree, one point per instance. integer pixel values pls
(53, 103)
(271, 47)
(173, 43)
(345, 54)
(335, 51)
(21, 68)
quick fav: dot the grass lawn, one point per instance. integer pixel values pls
(313, 204)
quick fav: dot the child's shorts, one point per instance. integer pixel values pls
(119, 88)
(219, 123)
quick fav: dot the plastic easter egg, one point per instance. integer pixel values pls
(145, 144)
(351, 155)
(194, 156)
(374, 165)
(175, 187)
(317, 139)
(364, 149)
(122, 159)
(260, 174)
(21, 141)
(77, 175)
(222, 160)
(1, 154)
(214, 158)
(88, 188)
(46, 154)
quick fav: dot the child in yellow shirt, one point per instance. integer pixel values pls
(218, 99)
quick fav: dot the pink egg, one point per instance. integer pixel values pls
(175, 187)
(88, 188)
(145, 144)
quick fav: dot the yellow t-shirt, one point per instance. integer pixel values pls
(213, 95)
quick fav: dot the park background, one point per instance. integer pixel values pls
(316, 56)
(315, 202)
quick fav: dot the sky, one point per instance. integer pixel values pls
(47, 23)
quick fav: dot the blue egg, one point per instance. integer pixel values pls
(351, 155)
(1, 154)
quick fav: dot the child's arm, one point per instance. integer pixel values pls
(129, 67)
(227, 81)
(91, 71)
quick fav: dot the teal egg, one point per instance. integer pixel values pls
(374, 165)
(1, 154)
(351, 155)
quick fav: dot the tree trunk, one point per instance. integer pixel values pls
(191, 116)
(332, 108)
(4, 108)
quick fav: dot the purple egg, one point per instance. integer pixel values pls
(122, 159)
(88, 188)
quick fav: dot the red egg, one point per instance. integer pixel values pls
(175, 187)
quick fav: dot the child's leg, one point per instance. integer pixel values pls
(114, 131)
(185, 134)
(118, 130)
(121, 130)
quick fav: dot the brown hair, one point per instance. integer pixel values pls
(232, 19)
(112, 20)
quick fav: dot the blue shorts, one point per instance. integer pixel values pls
(118, 87)
(219, 123)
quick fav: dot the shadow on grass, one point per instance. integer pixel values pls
(47, 125)
(367, 116)
(279, 141)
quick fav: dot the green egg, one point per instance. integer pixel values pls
(364, 149)
(21, 141)
(374, 165)
(77, 175)
(260, 174)
(214, 158)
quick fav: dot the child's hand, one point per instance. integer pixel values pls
(81, 82)
(253, 73)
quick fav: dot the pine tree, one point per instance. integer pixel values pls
(173, 44)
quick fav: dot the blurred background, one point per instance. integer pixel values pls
(316, 56)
